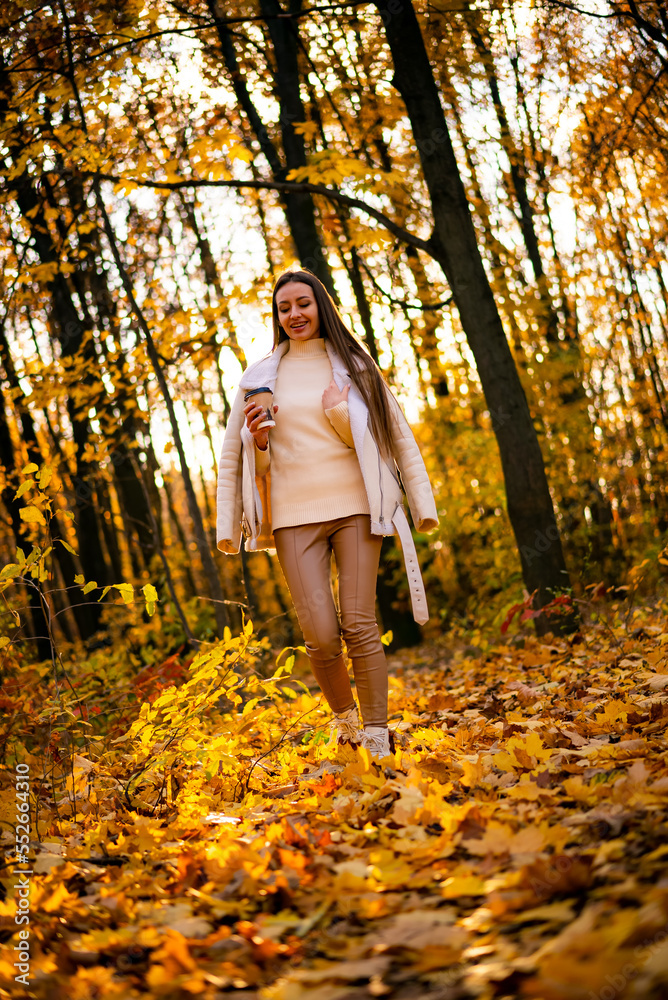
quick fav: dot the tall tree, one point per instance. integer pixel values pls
(284, 69)
(455, 248)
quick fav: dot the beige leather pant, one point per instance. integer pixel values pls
(304, 553)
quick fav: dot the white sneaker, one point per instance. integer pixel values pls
(346, 727)
(376, 739)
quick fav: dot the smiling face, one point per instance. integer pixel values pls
(298, 311)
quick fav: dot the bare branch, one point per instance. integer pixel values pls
(289, 187)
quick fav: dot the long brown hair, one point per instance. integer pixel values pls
(366, 376)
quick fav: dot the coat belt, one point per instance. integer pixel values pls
(415, 582)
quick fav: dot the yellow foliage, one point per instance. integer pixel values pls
(32, 515)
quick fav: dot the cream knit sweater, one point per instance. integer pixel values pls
(315, 472)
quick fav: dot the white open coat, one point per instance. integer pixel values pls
(239, 504)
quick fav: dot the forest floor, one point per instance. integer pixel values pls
(514, 846)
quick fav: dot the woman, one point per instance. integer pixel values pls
(328, 473)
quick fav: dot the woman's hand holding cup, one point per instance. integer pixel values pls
(257, 413)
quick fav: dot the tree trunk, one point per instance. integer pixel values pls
(454, 244)
(178, 527)
(286, 628)
(299, 207)
(249, 588)
(70, 333)
(118, 420)
(405, 630)
(431, 321)
(66, 324)
(85, 613)
(496, 252)
(38, 618)
(518, 178)
(208, 565)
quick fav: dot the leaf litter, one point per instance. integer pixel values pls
(211, 842)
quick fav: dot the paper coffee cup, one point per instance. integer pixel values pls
(264, 397)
